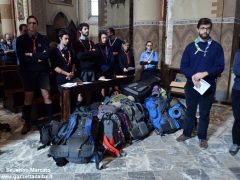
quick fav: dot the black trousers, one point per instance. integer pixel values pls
(193, 99)
(236, 115)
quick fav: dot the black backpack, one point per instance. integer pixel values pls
(50, 133)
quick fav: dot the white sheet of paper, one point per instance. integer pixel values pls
(104, 79)
(130, 68)
(204, 85)
(69, 85)
(120, 76)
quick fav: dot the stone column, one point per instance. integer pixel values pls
(6, 16)
(146, 22)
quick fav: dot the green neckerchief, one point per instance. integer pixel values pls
(197, 40)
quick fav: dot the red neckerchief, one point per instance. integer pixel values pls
(128, 58)
(90, 46)
(34, 47)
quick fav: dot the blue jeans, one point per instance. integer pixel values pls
(193, 99)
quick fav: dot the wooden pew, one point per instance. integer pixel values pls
(13, 90)
(4, 68)
(14, 94)
(88, 90)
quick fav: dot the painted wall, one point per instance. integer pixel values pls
(53, 9)
(192, 9)
(117, 15)
(146, 10)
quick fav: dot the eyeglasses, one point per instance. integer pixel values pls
(205, 28)
(32, 23)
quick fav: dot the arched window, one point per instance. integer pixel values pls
(92, 8)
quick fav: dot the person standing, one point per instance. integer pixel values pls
(236, 105)
(116, 45)
(33, 54)
(62, 59)
(201, 59)
(149, 60)
(85, 55)
(105, 57)
(126, 59)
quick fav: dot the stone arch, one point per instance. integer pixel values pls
(60, 21)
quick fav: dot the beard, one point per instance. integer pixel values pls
(204, 36)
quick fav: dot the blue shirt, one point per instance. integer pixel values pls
(152, 56)
(236, 70)
(212, 62)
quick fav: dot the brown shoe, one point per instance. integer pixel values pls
(203, 143)
(182, 138)
(26, 128)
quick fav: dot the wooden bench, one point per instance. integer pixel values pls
(14, 94)
(12, 90)
(88, 89)
(4, 68)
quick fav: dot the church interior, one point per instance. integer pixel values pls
(171, 25)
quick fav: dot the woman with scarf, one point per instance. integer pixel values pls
(149, 61)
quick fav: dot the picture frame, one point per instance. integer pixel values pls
(61, 2)
(20, 10)
(116, 1)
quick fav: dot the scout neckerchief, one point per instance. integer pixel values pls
(197, 40)
(128, 58)
(105, 54)
(68, 61)
(111, 44)
(90, 46)
(148, 56)
(34, 47)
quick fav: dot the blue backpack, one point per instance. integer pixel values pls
(77, 141)
(159, 117)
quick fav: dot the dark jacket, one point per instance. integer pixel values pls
(236, 70)
(123, 61)
(212, 62)
(105, 60)
(25, 45)
(57, 60)
(85, 59)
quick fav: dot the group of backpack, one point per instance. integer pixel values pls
(105, 128)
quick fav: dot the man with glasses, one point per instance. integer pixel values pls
(33, 54)
(201, 59)
(6, 50)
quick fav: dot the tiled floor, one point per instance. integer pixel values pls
(155, 157)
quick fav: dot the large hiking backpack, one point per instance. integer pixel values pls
(136, 116)
(159, 117)
(113, 126)
(78, 144)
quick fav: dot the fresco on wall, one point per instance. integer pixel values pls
(61, 2)
(20, 10)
